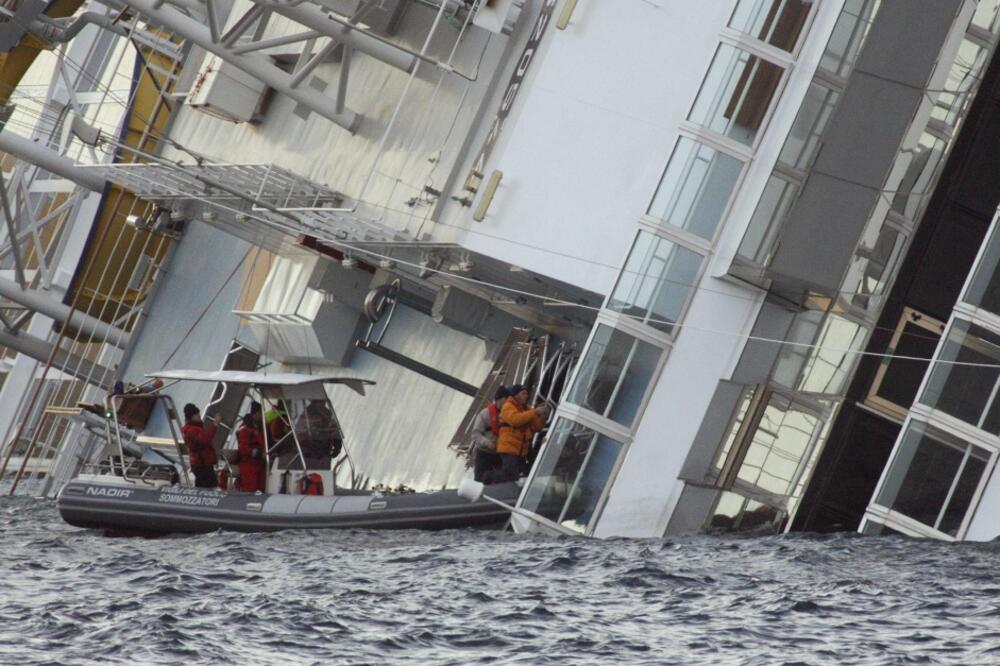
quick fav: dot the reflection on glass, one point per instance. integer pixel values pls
(966, 385)
(741, 413)
(984, 289)
(655, 283)
(986, 15)
(823, 363)
(915, 186)
(734, 512)
(873, 263)
(933, 478)
(777, 22)
(759, 240)
(779, 447)
(571, 474)
(803, 139)
(962, 77)
(695, 188)
(848, 36)
(614, 374)
(736, 94)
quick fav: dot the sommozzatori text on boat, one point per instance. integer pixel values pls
(145, 485)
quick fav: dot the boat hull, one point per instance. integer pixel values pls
(134, 509)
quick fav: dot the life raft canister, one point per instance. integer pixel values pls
(311, 484)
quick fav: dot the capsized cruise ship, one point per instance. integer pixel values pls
(747, 247)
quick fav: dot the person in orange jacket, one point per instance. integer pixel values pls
(518, 425)
(201, 452)
(251, 447)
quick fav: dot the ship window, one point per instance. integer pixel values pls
(807, 129)
(848, 35)
(984, 289)
(774, 449)
(614, 375)
(759, 240)
(777, 22)
(695, 188)
(872, 264)
(933, 478)
(656, 281)
(898, 379)
(915, 185)
(733, 512)
(571, 474)
(986, 15)
(824, 362)
(736, 94)
(962, 387)
(962, 77)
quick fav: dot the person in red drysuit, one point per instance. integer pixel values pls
(201, 452)
(251, 446)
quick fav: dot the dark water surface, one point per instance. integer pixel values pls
(70, 596)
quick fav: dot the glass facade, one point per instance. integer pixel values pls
(571, 474)
(695, 188)
(622, 357)
(736, 94)
(614, 375)
(655, 283)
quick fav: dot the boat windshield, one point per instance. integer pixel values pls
(303, 433)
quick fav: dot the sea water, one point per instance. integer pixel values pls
(73, 596)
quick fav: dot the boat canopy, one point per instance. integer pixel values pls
(267, 382)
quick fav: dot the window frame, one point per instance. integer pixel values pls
(774, 57)
(939, 429)
(718, 143)
(908, 316)
(792, 54)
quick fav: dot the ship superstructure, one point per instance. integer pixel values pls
(699, 231)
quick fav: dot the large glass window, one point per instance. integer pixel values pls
(614, 375)
(736, 94)
(967, 382)
(571, 474)
(656, 281)
(695, 188)
(984, 290)
(848, 35)
(804, 137)
(933, 478)
(777, 22)
(759, 240)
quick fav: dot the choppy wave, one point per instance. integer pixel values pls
(70, 596)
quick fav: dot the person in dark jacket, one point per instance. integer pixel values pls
(251, 447)
(201, 452)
